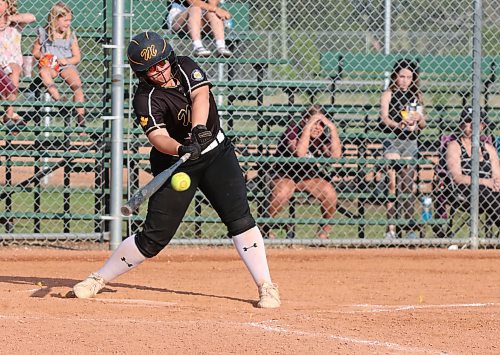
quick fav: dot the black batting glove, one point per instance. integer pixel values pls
(202, 136)
(194, 149)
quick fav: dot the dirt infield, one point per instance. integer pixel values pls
(201, 301)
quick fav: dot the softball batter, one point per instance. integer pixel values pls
(175, 107)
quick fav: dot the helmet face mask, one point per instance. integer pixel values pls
(158, 74)
(148, 49)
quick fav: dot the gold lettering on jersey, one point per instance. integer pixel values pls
(184, 116)
(143, 121)
(149, 52)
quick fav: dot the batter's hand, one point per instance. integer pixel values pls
(201, 135)
(194, 149)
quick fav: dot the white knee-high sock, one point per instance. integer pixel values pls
(250, 246)
(126, 257)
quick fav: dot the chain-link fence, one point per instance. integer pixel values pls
(349, 117)
(54, 157)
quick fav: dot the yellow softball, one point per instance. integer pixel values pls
(180, 182)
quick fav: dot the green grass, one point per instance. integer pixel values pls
(83, 203)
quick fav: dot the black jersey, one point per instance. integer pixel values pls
(485, 168)
(157, 107)
(400, 100)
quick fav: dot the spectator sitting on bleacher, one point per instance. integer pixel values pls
(57, 51)
(459, 164)
(192, 16)
(401, 112)
(306, 139)
(11, 56)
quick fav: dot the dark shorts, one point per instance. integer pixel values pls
(298, 171)
(489, 200)
(406, 148)
(218, 175)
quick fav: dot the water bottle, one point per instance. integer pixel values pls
(426, 208)
(228, 24)
(412, 109)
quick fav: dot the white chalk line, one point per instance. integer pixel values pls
(374, 308)
(134, 302)
(375, 343)
(31, 290)
(365, 308)
(128, 301)
(268, 326)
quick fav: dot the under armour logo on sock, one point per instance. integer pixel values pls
(126, 262)
(252, 246)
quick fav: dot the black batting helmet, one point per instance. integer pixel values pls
(148, 48)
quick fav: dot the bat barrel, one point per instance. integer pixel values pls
(151, 187)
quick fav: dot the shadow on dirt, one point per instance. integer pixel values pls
(46, 288)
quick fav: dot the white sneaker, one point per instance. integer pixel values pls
(201, 52)
(89, 287)
(269, 296)
(224, 52)
(390, 235)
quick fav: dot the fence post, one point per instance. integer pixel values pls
(117, 124)
(476, 92)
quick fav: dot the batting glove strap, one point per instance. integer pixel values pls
(194, 149)
(202, 136)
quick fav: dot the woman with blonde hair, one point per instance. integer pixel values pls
(57, 51)
(11, 56)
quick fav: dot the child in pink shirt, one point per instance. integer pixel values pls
(11, 56)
